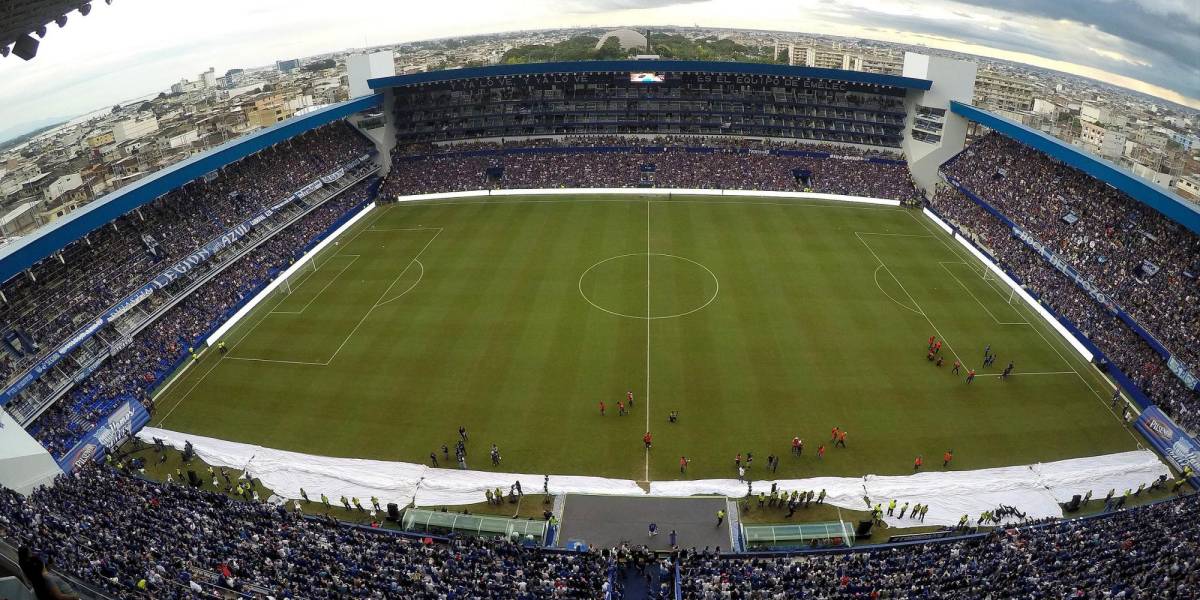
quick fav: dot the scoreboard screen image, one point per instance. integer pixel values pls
(646, 78)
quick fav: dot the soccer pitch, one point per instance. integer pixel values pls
(769, 318)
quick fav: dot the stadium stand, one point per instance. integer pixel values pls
(137, 538)
(1108, 241)
(1147, 552)
(671, 162)
(58, 296)
(158, 349)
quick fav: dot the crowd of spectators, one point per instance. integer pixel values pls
(745, 165)
(1150, 552)
(1122, 242)
(60, 296)
(134, 371)
(1108, 243)
(137, 538)
(663, 141)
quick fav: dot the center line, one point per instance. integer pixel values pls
(647, 477)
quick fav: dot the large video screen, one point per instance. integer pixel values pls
(645, 78)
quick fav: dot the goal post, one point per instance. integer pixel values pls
(289, 281)
(1002, 287)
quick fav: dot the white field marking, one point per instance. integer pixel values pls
(901, 304)
(1099, 397)
(375, 229)
(710, 300)
(271, 360)
(914, 235)
(648, 317)
(809, 204)
(1014, 374)
(245, 334)
(410, 288)
(378, 214)
(976, 298)
(415, 259)
(322, 291)
(212, 367)
(910, 296)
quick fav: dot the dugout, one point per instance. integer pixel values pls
(444, 523)
(798, 536)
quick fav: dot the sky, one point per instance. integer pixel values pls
(136, 47)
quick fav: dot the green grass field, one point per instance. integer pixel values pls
(516, 317)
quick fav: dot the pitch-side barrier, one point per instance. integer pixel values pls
(649, 192)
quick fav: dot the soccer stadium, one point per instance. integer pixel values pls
(611, 329)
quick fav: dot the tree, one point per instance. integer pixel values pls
(116, 109)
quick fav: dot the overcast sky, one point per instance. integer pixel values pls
(136, 47)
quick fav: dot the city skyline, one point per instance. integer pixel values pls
(161, 43)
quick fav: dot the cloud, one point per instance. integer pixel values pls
(1113, 55)
(1171, 27)
(599, 6)
(1015, 26)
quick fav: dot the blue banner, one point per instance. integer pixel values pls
(1065, 268)
(1172, 442)
(205, 252)
(111, 432)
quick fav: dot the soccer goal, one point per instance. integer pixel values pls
(999, 285)
(297, 274)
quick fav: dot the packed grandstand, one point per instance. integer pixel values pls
(112, 532)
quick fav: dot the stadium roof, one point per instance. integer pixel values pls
(1151, 194)
(22, 17)
(642, 66)
(27, 251)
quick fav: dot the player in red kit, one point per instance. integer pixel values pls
(602, 408)
(646, 439)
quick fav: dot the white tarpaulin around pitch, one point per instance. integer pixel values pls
(1035, 490)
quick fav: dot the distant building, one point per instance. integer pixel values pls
(272, 107)
(208, 79)
(627, 38)
(362, 67)
(178, 137)
(1186, 140)
(132, 129)
(1188, 186)
(1098, 139)
(1000, 92)
(99, 139)
(883, 63)
(62, 185)
(232, 77)
(1149, 173)
(287, 66)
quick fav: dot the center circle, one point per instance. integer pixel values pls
(649, 286)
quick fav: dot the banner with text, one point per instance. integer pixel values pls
(111, 432)
(1180, 449)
